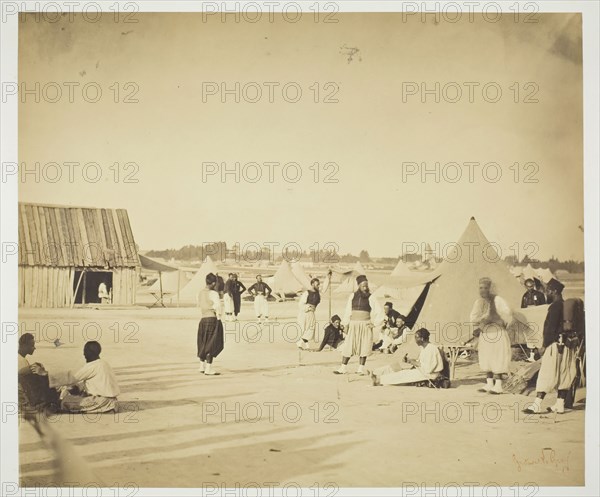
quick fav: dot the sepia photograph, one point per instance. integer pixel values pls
(299, 249)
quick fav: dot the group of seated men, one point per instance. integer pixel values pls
(391, 335)
(91, 389)
(428, 369)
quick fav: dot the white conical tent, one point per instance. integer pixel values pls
(198, 282)
(447, 309)
(403, 298)
(516, 271)
(284, 281)
(300, 274)
(172, 282)
(545, 275)
(529, 272)
(401, 269)
(348, 284)
(359, 268)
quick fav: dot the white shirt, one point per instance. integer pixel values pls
(98, 379)
(103, 291)
(430, 360)
(481, 310)
(22, 362)
(213, 297)
(216, 301)
(377, 312)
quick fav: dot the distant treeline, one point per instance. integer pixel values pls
(216, 250)
(220, 251)
(553, 264)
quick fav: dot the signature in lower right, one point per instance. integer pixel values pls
(547, 457)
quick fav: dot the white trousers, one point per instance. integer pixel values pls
(228, 303)
(261, 306)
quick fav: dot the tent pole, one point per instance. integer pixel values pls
(329, 273)
(83, 294)
(160, 287)
(76, 289)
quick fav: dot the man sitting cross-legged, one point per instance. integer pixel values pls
(428, 367)
(35, 393)
(96, 387)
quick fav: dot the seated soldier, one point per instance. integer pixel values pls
(394, 335)
(427, 368)
(34, 390)
(334, 333)
(96, 387)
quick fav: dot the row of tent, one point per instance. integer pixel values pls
(439, 298)
(288, 279)
(528, 272)
(176, 282)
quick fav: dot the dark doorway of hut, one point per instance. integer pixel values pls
(87, 283)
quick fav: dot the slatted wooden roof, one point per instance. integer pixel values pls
(65, 236)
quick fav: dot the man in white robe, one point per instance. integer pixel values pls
(490, 317)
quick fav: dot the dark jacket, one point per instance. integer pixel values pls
(553, 325)
(533, 297)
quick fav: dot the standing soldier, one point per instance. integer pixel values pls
(558, 368)
(363, 313)
(261, 292)
(228, 298)
(210, 330)
(237, 289)
(490, 316)
(309, 301)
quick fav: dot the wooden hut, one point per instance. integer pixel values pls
(66, 252)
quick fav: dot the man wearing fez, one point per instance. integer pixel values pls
(558, 352)
(532, 297)
(363, 314)
(308, 303)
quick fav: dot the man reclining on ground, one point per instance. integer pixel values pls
(427, 368)
(95, 387)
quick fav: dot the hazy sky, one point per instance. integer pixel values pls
(369, 133)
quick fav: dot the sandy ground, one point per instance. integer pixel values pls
(278, 416)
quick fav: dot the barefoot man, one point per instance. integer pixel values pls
(363, 313)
